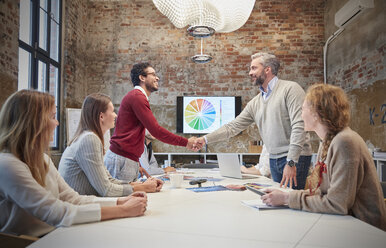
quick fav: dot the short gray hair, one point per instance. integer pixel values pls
(268, 59)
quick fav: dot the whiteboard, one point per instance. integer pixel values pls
(72, 122)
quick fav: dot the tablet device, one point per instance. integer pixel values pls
(259, 192)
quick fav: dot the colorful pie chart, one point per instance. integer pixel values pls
(200, 114)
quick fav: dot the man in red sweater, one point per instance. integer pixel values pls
(134, 116)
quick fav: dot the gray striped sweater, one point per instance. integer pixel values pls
(82, 168)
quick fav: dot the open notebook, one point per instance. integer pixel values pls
(258, 204)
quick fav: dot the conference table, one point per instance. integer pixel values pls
(178, 217)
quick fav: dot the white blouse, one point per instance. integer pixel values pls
(28, 208)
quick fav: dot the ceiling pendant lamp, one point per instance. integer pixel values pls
(222, 15)
(200, 31)
(205, 17)
(201, 58)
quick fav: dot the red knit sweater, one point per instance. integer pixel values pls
(134, 116)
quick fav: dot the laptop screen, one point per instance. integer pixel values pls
(229, 164)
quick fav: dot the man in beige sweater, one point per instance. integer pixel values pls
(276, 110)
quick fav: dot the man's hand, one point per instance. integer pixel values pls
(289, 176)
(200, 142)
(192, 144)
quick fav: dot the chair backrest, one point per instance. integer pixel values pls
(383, 186)
(8, 240)
(72, 121)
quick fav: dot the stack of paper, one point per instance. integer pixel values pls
(258, 204)
(380, 155)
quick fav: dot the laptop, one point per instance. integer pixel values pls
(229, 164)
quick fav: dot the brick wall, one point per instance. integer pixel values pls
(102, 39)
(125, 32)
(74, 47)
(356, 62)
(362, 71)
(9, 34)
(121, 33)
(356, 57)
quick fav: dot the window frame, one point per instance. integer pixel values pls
(40, 55)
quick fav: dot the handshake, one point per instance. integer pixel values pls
(195, 143)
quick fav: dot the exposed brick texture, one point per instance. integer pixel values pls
(104, 38)
(121, 33)
(74, 46)
(356, 61)
(9, 34)
(362, 72)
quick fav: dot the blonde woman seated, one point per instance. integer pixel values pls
(262, 168)
(34, 198)
(347, 181)
(82, 165)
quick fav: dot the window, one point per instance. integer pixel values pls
(39, 49)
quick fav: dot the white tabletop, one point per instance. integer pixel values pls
(182, 218)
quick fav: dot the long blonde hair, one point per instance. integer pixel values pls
(24, 129)
(331, 105)
(93, 105)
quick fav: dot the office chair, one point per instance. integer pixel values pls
(9, 240)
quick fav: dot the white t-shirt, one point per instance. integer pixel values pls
(263, 165)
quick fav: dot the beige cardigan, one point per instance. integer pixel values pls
(350, 186)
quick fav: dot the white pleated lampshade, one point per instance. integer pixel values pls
(221, 15)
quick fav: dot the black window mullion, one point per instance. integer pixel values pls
(35, 21)
(34, 72)
(39, 54)
(34, 43)
(26, 47)
(48, 28)
(47, 89)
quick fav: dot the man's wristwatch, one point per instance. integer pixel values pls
(291, 163)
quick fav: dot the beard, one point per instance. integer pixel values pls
(260, 79)
(151, 88)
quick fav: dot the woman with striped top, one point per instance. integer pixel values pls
(82, 165)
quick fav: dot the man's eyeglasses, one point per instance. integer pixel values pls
(152, 73)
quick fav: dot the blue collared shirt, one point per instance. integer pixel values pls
(270, 87)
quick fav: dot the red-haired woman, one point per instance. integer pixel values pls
(347, 181)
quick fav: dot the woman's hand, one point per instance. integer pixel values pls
(159, 182)
(134, 206)
(251, 170)
(129, 206)
(122, 200)
(149, 186)
(169, 169)
(143, 172)
(275, 197)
